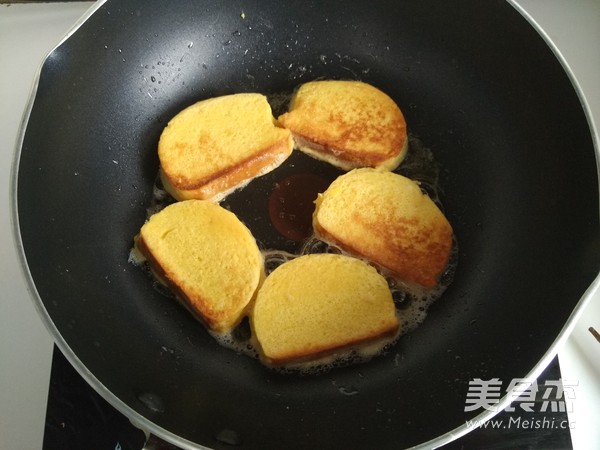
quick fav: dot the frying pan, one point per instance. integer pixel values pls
(478, 86)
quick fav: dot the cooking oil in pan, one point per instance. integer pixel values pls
(412, 301)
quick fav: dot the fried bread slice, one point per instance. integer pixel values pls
(348, 124)
(207, 257)
(385, 218)
(319, 304)
(217, 145)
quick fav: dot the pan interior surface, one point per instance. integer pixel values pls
(477, 85)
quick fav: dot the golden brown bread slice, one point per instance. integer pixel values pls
(315, 305)
(208, 258)
(385, 218)
(219, 144)
(348, 124)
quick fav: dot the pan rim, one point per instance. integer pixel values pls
(141, 421)
(585, 299)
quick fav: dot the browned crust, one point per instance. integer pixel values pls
(403, 260)
(314, 354)
(363, 141)
(355, 158)
(211, 321)
(226, 179)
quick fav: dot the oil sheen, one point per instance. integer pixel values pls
(411, 301)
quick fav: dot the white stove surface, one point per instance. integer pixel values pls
(29, 31)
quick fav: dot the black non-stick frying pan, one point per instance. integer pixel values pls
(478, 86)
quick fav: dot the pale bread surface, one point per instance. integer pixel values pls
(207, 256)
(348, 124)
(216, 145)
(386, 218)
(321, 303)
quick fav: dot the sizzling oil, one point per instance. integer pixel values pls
(290, 208)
